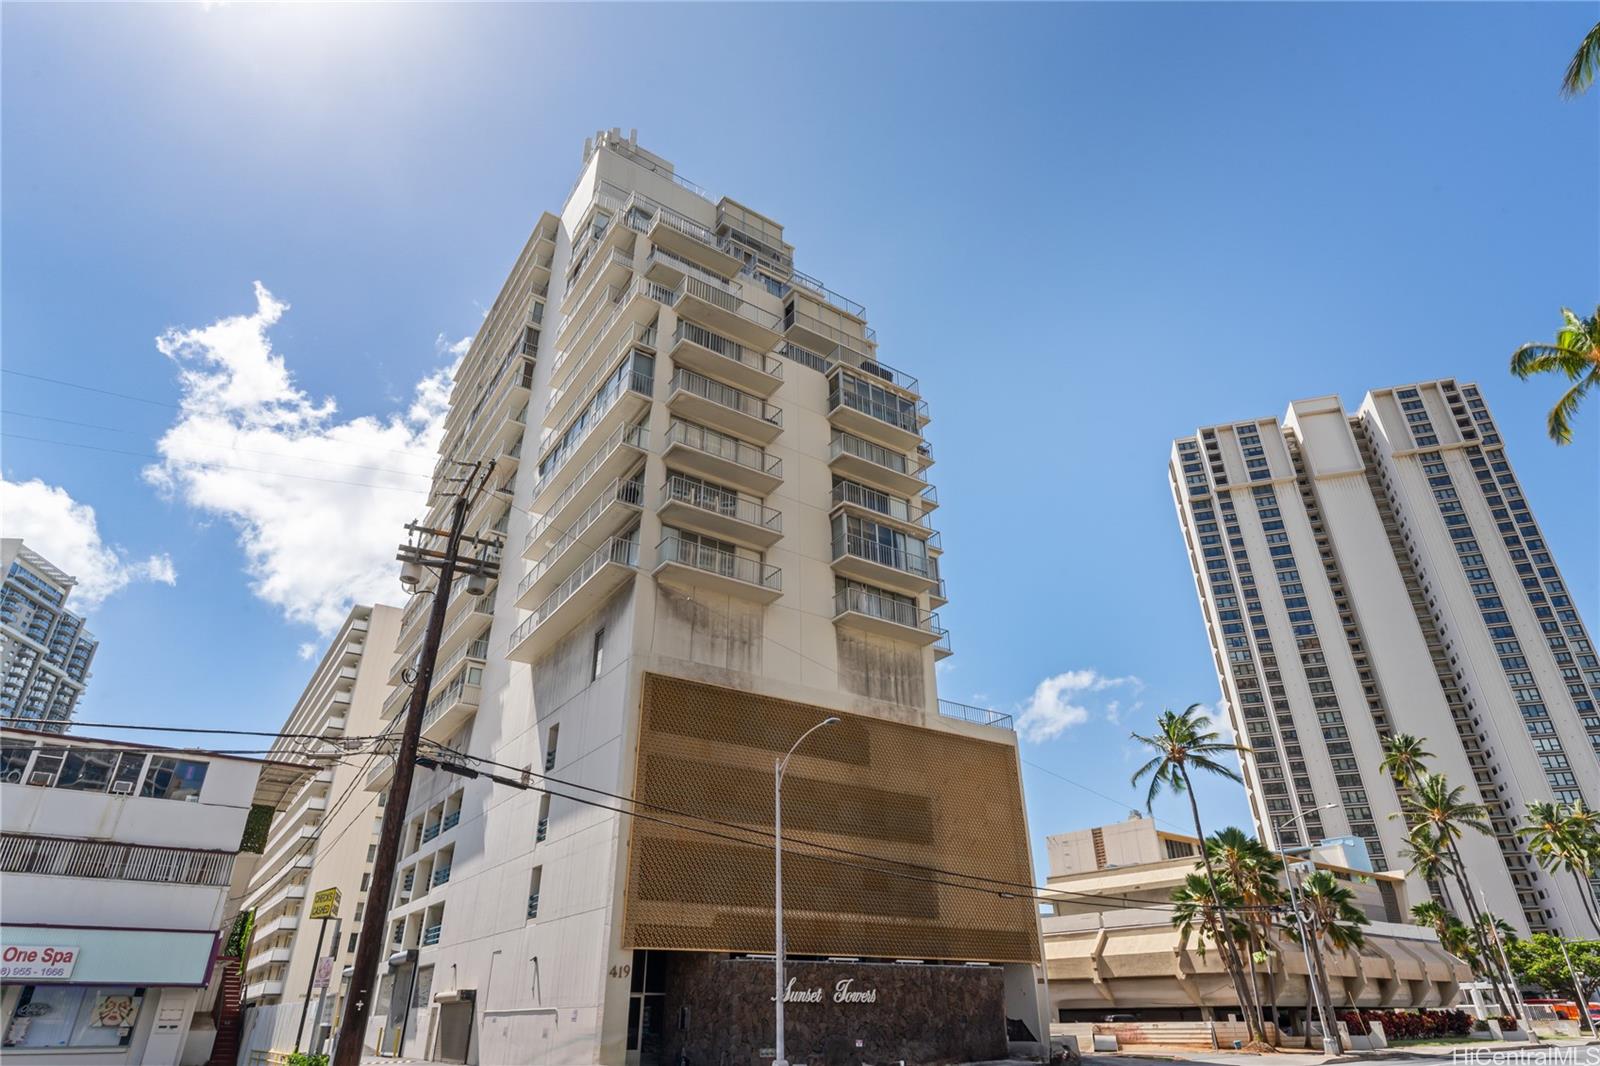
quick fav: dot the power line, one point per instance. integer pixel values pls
(197, 729)
(1078, 784)
(222, 444)
(212, 466)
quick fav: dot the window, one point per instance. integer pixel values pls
(599, 656)
(99, 770)
(550, 748)
(171, 778)
(13, 761)
(352, 946)
(64, 1016)
(372, 852)
(535, 881)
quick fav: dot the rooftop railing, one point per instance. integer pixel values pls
(719, 561)
(977, 715)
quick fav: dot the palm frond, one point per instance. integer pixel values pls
(1559, 423)
(1585, 62)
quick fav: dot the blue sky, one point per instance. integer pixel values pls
(1087, 228)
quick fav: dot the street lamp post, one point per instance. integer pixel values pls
(778, 768)
(1330, 1037)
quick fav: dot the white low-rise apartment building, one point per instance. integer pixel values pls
(325, 839)
(719, 531)
(117, 861)
(1380, 572)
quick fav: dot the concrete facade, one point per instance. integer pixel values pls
(324, 839)
(1111, 947)
(702, 471)
(1380, 572)
(121, 857)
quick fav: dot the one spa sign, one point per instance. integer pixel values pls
(37, 962)
(842, 993)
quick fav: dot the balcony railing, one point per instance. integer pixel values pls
(440, 876)
(429, 832)
(848, 492)
(726, 396)
(642, 335)
(906, 415)
(718, 296)
(451, 820)
(633, 380)
(430, 935)
(626, 436)
(887, 608)
(621, 550)
(724, 447)
(733, 505)
(542, 830)
(715, 342)
(884, 555)
(72, 857)
(533, 905)
(850, 444)
(719, 561)
(977, 715)
(629, 492)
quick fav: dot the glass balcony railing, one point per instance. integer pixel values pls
(717, 501)
(719, 561)
(722, 446)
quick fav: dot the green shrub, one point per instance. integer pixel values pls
(306, 1058)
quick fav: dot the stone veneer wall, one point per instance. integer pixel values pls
(922, 1014)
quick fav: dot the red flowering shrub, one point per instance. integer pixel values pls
(1410, 1025)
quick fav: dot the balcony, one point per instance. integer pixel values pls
(687, 238)
(871, 561)
(938, 596)
(608, 267)
(733, 516)
(260, 960)
(713, 569)
(449, 710)
(261, 989)
(610, 566)
(723, 311)
(617, 455)
(71, 857)
(289, 895)
(859, 405)
(811, 332)
(711, 353)
(871, 612)
(430, 935)
(624, 397)
(614, 508)
(862, 460)
(278, 925)
(721, 458)
(850, 498)
(464, 624)
(635, 304)
(711, 403)
(379, 773)
(558, 406)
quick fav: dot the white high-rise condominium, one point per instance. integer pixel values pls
(324, 837)
(718, 531)
(1370, 574)
(45, 651)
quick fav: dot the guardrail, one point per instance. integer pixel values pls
(22, 853)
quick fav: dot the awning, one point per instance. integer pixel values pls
(76, 955)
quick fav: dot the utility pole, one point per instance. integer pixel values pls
(415, 555)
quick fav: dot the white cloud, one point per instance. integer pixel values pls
(1219, 722)
(67, 533)
(306, 650)
(318, 501)
(1057, 702)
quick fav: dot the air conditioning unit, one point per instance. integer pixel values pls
(122, 788)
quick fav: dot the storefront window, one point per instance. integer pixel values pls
(65, 1016)
(171, 778)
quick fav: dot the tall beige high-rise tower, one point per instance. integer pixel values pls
(719, 530)
(1380, 572)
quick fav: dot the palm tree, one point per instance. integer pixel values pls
(1404, 758)
(1182, 741)
(1251, 869)
(1585, 61)
(1428, 859)
(1562, 837)
(1576, 354)
(1433, 805)
(1334, 918)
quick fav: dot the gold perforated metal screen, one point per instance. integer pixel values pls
(893, 794)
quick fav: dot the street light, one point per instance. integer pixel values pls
(1330, 1038)
(778, 768)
